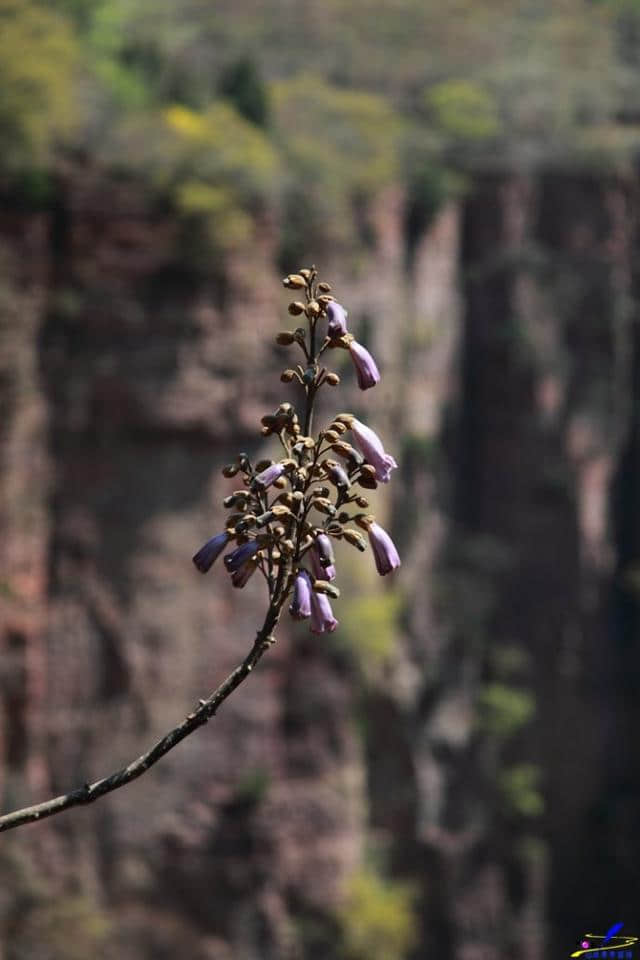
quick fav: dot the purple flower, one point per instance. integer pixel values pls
(322, 618)
(212, 549)
(337, 325)
(270, 475)
(300, 607)
(384, 549)
(370, 446)
(322, 558)
(366, 369)
(240, 577)
(234, 560)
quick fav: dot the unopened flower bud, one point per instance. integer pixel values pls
(279, 510)
(287, 376)
(296, 308)
(278, 530)
(347, 418)
(324, 287)
(247, 521)
(330, 436)
(230, 470)
(337, 474)
(368, 482)
(324, 505)
(326, 588)
(313, 309)
(362, 502)
(364, 521)
(294, 282)
(306, 273)
(338, 427)
(332, 379)
(285, 338)
(355, 539)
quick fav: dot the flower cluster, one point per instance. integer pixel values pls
(287, 513)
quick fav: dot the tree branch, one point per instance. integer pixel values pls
(206, 709)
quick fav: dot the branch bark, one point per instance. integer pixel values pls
(206, 709)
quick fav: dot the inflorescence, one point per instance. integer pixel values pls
(286, 513)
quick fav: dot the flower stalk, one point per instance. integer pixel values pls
(288, 513)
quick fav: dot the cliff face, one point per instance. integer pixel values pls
(489, 755)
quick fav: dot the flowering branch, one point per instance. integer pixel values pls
(283, 519)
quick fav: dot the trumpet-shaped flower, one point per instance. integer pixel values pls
(322, 558)
(366, 368)
(300, 607)
(370, 446)
(270, 475)
(337, 315)
(384, 549)
(234, 560)
(240, 576)
(206, 555)
(322, 618)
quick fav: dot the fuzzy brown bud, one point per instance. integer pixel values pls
(332, 379)
(287, 376)
(306, 273)
(364, 522)
(323, 586)
(330, 436)
(362, 502)
(285, 338)
(367, 481)
(355, 539)
(313, 309)
(294, 282)
(230, 470)
(324, 287)
(324, 505)
(296, 308)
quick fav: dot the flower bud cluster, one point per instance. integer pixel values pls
(286, 513)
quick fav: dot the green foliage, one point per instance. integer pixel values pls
(37, 57)
(339, 147)
(504, 710)
(368, 626)
(253, 787)
(520, 788)
(378, 922)
(215, 168)
(463, 110)
(242, 84)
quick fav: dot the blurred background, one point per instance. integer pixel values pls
(453, 773)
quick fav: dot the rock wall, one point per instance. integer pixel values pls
(478, 756)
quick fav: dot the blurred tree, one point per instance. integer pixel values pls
(242, 84)
(37, 57)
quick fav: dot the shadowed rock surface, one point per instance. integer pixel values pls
(475, 758)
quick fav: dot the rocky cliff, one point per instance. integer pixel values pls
(469, 731)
